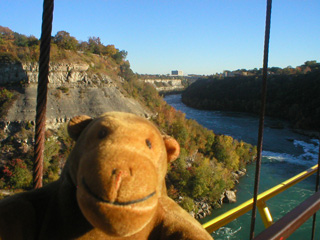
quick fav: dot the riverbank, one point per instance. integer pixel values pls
(205, 207)
(308, 133)
(173, 92)
(292, 97)
(285, 154)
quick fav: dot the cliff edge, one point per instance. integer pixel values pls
(72, 90)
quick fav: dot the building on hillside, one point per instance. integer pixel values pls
(177, 73)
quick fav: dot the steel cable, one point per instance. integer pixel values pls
(262, 115)
(44, 58)
(317, 189)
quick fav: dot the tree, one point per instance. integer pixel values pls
(224, 149)
(180, 132)
(6, 33)
(110, 50)
(95, 45)
(126, 72)
(275, 70)
(32, 40)
(20, 40)
(64, 40)
(120, 56)
(83, 46)
(310, 63)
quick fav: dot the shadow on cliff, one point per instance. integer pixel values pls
(13, 76)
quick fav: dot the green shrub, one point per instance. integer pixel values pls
(187, 204)
(63, 89)
(16, 175)
(6, 99)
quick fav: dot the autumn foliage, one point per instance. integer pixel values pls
(15, 174)
(15, 47)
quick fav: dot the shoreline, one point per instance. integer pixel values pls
(306, 132)
(309, 133)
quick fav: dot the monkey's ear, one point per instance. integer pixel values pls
(173, 148)
(77, 124)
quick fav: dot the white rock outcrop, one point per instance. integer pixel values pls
(72, 91)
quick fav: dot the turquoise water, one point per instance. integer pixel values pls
(285, 154)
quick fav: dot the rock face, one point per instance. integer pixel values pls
(59, 73)
(71, 91)
(11, 73)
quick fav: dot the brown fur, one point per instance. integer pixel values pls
(112, 187)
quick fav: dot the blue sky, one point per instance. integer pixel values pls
(195, 36)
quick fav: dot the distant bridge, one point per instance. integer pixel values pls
(165, 85)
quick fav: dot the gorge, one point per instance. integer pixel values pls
(91, 79)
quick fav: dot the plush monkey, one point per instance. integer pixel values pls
(112, 187)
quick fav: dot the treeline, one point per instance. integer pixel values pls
(293, 97)
(18, 47)
(289, 70)
(64, 40)
(160, 76)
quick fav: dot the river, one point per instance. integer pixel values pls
(285, 154)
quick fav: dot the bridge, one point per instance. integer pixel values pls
(166, 85)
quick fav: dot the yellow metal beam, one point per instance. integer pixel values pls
(236, 212)
(265, 213)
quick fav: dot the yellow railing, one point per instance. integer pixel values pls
(236, 212)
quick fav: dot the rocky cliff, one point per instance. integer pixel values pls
(73, 90)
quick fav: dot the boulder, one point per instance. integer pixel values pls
(230, 197)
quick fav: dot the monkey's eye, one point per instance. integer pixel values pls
(148, 143)
(103, 133)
